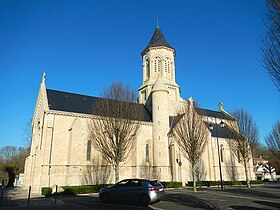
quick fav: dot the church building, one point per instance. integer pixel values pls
(63, 154)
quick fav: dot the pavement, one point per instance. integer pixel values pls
(240, 198)
(17, 199)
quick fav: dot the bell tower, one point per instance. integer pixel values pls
(158, 61)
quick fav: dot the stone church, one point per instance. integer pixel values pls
(62, 153)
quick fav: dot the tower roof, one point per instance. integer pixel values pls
(159, 85)
(157, 40)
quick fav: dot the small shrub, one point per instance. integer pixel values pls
(171, 184)
(256, 182)
(46, 191)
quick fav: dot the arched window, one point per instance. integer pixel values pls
(222, 152)
(167, 65)
(88, 150)
(147, 68)
(147, 152)
(157, 64)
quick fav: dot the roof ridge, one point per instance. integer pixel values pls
(72, 93)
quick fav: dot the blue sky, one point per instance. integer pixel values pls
(83, 46)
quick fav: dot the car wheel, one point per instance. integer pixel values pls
(104, 197)
(144, 200)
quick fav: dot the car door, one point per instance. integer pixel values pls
(120, 192)
(136, 189)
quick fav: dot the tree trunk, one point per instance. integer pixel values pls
(117, 173)
(12, 176)
(194, 182)
(246, 174)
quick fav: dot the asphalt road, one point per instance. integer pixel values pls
(240, 198)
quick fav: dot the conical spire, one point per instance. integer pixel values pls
(157, 40)
(159, 85)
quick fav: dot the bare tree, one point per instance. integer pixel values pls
(231, 168)
(28, 133)
(275, 163)
(273, 143)
(191, 135)
(114, 125)
(248, 128)
(245, 141)
(271, 43)
(12, 161)
(200, 170)
(240, 148)
(147, 171)
(96, 173)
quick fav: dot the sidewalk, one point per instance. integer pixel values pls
(17, 199)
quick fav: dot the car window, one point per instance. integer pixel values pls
(124, 183)
(137, 183)
(155, 183)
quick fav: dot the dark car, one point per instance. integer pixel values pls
(142, 191)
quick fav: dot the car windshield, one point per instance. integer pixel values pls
(155, 183)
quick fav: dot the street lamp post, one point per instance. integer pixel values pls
(218, 146)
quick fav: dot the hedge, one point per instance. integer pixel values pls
(171, 184)
(217, 183)
(74, 190)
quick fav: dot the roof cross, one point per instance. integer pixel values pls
(157, 20)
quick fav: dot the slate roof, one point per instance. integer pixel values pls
(211, 113)
(220, 132)
(217, 130)
(173, 120)
(77, 103)
(157, 40)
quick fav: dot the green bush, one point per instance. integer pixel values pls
(46, 191)
(243, 182)
(213, 183)
(198, 183)
(217, 183)
(256, 182)
(74, 190)
(235, 183)
(210, 183)
(171, 184)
